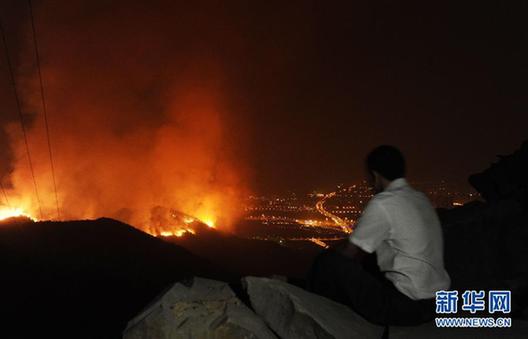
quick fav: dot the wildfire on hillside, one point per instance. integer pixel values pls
(13, 212)
(135, 133)
(177, 225)
(174, 224)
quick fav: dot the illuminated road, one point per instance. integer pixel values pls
(337, 220)
(287, 220)
(318, 241)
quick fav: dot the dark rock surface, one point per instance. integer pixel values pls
(295, 313)
(505, 179)
(485, 241)
(486, 244)
(203, 309)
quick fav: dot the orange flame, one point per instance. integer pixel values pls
(13, 212)
(177, 233)
(145, 133)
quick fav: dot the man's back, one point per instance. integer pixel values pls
(402, 227)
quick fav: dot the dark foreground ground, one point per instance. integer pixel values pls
(86, 279)
(83, 279)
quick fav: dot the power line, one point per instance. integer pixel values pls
(20, 116)
(5, 194)
(44, 107)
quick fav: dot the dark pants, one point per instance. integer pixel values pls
(360, 285)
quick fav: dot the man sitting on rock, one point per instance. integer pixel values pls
(402, 228)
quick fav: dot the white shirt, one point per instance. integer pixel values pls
(402, 227)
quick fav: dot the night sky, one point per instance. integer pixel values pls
(314, 85)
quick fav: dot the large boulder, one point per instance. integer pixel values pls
(504, 179)
(485, 244)
(485, 241)
(295, 313)
(200, 309)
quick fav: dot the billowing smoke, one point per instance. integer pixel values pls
(140, 111)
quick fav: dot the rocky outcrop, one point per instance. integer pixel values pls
(295, 313)
(200, 309)
(485, 241)
(506, 178)
(486, 244)
(206, 308)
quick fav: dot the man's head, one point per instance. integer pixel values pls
(384, 164)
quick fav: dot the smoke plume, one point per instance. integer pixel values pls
(140, 112)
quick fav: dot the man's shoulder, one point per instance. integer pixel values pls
(383, 197)
(408, 196)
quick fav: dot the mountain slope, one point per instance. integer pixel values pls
(84, 279)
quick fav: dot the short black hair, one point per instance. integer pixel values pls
(386, 160)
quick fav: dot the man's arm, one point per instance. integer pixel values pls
(372, 229)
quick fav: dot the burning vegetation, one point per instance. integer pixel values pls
(141, 124)
(168, 223)
(12, 212)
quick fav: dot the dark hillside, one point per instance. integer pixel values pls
(81, 279)
(249, 256)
